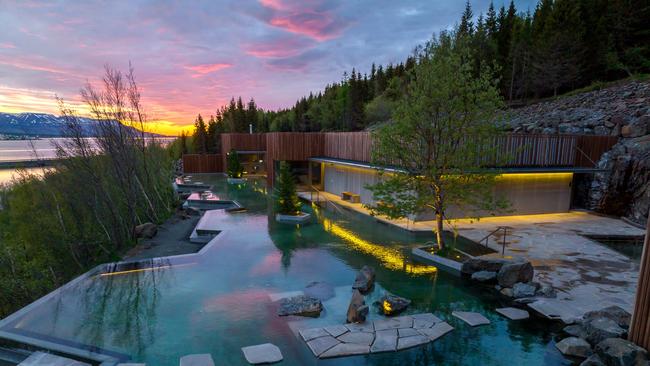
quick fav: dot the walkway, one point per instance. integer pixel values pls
(587, 275)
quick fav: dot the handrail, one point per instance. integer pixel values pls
(314, 189)
(503, 242)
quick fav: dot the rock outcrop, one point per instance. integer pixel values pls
(622, 110)
(365, 280)
(357, 310)
(300, 305)
(147, 230)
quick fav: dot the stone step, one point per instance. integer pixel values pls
(471, 318)
(262, 353)
(204, 359)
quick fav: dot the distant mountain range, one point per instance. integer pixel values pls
(40, 125)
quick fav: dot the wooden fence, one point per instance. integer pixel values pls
(206, 163)
(243, 142)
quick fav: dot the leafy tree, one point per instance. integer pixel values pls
(439, 140)
(286, 197)
(234, 169)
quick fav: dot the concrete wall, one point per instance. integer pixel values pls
(530, 193)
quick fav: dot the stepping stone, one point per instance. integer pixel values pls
(358, 338)
(408, 342)
(426, 320)
(555, 309)
(407, 332)
(436, 331)
(385, 341)
(46, 359)
(336, 330)
(471, 318)
(360, 327)
(309, 334)
(345, 349)
(322, 344)
(131, 364)
(197, 360)
(262, 353)
(394, 323)
(513, 313)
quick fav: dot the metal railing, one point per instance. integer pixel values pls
(325, 199)
(503, 229)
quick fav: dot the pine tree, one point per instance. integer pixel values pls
(286, 197)
(466, 27)
(200, 137)
(234, 168)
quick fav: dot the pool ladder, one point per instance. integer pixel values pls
(503, 229)
(325, 199)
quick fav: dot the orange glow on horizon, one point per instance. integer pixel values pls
(16, 100)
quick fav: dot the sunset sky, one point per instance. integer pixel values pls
(191, 57)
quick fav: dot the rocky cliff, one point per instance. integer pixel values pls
(623, 110)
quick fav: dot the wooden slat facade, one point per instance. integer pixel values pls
(640, 325)
(348, 145)
(198, 163)
(514, 150)
(241, 142)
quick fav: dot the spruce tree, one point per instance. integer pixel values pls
(234, 168)
(286, 197)
(200, 138)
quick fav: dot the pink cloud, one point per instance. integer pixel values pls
(203, 69)
(30, 65)
(279, 47)
(7, 45)
(311, 18)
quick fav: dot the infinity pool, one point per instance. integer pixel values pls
(220, 301)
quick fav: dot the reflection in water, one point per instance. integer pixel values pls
(389, 257)
(120, 306)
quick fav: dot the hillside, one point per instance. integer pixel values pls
(622, 110)
(39, 124)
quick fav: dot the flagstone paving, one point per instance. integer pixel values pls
(384, 335)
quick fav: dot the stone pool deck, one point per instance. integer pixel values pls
(381, 335)
(587, 275)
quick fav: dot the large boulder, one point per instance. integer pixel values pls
(478, 264)
(392, 304)
(511, 273)
(357, 310)
(365, 280)
(574, 347)
(147, 230)
(599, 329)
(615, 313)
(521, 289)
(620, 352)
(300, 305)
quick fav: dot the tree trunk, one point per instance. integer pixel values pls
(439, 230)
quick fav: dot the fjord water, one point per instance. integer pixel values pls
(220, 301)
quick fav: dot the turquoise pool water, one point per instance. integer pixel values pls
(220, 301)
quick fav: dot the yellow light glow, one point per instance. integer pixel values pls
(391, 258)
(535, 176)
(387, 308)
